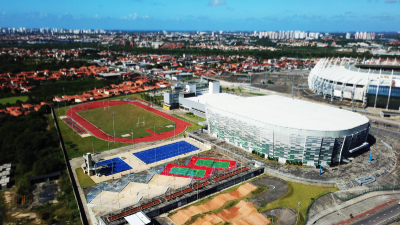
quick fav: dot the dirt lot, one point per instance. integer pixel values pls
(184, 215)
(244, 213)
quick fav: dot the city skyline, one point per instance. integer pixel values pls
(142, 15)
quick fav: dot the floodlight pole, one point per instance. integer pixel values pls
(73, 131)
(59, 110)
(113, 116)
(132, 142)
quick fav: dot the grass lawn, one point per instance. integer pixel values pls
(126, 119)
(189, 115)
(298, 193)
(257, 94)
(13, 100)
(195, 126)
(242, 91)
(163, 129)
(76, 146)
(84, 179)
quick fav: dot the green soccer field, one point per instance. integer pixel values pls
(212, 163)
(126, 120)
(187, 172)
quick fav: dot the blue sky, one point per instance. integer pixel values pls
(250, 15)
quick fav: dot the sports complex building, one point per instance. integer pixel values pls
(376, 83)
(287, 129)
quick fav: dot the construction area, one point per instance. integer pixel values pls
(168, 171)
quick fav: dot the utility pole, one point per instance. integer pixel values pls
(113, 116)
(292, 86)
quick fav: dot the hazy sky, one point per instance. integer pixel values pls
(248, 15)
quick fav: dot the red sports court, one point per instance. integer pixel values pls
(218, 164)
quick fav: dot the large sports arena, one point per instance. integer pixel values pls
(374, 82)
(287, 129)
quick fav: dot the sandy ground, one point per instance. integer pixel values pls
(29, 216)
(8, 197)
(184, 215)
(244, 213)
(138, 165)
(135, 192)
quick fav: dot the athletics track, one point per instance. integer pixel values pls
(71, 113)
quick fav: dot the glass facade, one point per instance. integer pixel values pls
(252, 136)
(383, 95)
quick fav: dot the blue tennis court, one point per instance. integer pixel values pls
(165, 152)
(114, 165)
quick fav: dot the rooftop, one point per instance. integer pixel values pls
(279, 112)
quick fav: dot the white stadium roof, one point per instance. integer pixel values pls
(291, 115)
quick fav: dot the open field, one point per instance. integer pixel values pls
(126, 119)
(13, 100)
(194, 127)
(192, 116)
(84, 179)
(298, 193)
(76, 145)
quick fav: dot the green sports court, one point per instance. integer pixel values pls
(212, 163)
(187, 172)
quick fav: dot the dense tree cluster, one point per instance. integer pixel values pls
(13, 64)
(30, 143)
(45, 91)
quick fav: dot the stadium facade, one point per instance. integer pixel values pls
(374, 82)
(287, 129)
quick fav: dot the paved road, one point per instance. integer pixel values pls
(380, 216)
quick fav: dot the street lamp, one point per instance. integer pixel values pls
(272, 215)
(298, 212)
(132, 142)
(113, 116)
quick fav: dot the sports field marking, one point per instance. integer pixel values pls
(212, 163)
(187, 172)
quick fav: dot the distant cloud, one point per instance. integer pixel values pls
(216, 2)
(390, 1)
(309, 16)
(134, 16)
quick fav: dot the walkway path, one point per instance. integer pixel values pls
(341, 211)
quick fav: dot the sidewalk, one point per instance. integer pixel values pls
(335, 214)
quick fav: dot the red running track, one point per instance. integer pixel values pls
(180, 124)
